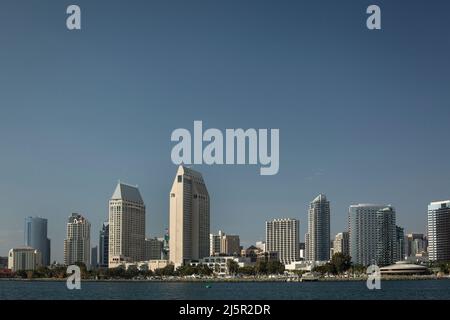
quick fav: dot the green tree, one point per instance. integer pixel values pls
(340, 263)
(247, 270)
(261, 267)
(233, 267)
(275, 267)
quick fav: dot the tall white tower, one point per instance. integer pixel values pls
(126, 224)
(77, 245)
(189, 217)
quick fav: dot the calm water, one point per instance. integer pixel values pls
(425, 289)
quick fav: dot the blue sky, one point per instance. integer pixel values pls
(362, 114)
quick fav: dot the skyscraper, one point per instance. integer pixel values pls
(386, 235)
(103, 247)
(77, 245)
(400, 244)
(341, 243)
(94, 257)
(126, 224)
(439, 231)
(153, 249)
(36, 237)
(319, 229)
(282, 236)
(368, 224)
(415, 244)
(189, 217)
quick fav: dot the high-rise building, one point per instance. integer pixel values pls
(400, 244)
(24, 258)
(368, 224)
(103, 246)
(415, 244)
(341, 243)
(77, 245)
(189, 217)
(36, 237)
(153, 249)
(224, 244)
(439, 231)
(126, 224)
(319, 229)
(94, 257)
(282, 236)
(386, 235)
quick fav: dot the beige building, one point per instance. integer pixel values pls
(77, 245)
(341, 244)
(189, 217)
(126, 225)
(224, 244)
(24, 258)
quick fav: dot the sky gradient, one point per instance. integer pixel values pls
(363, 115)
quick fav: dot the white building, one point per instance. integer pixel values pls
(24, 258)
(318, 229)
(282, 236)
(341, 243)
(126, 224)
(439, 231)
(219, 265)
(189, 218)
(77, 245)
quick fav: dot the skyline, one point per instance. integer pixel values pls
(94, 242)
(361, 113)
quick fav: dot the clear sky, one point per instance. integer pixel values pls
(363, 115)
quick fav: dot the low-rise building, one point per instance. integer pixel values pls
(24, 258)
(219, 265)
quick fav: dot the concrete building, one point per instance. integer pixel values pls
(439, 231)
(261, 245)
(77, 245)
(318, 229)
(415, 244)
(153, 249)
(224, 244)
(94, 257)
(189, 218)
(372, 234)
(126, 224)
(341, 243)
(404, 268)
(24, 258)
(386, 235)
(36, 237)
(400, 254)
(282, 236)
(219, 265)
(103, 246)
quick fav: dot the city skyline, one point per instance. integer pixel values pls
(356, 109)
(133, 191)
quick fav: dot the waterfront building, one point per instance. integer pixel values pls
(282, 236)
(372, 234)
(415, 244)
(318, 229)
(189, 217)
(94, 257)
(403, 268)
(36, 237)
(439, 231)
(126, 224)
(219, 265)
(400, 244)
(77, 245)
(24, 259)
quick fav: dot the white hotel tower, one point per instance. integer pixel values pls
(189, 217)
(439, 230)
(282, 236)
(77, 245)
(126, 225)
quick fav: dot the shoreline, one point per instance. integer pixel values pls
(232, 280)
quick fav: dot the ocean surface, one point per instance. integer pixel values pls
(390, 290)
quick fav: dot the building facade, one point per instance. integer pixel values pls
(439, 231)
(368, 224)
(103, 246)
(126, 224)
(282, 236)
(341, 243)
(189, 218)
(24, 259)
(36, 237)
(77, 245)
(153, 249)
(224, 244)
(319, 229)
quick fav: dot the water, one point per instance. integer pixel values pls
(391, 290)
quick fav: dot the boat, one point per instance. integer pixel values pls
(307, 277)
